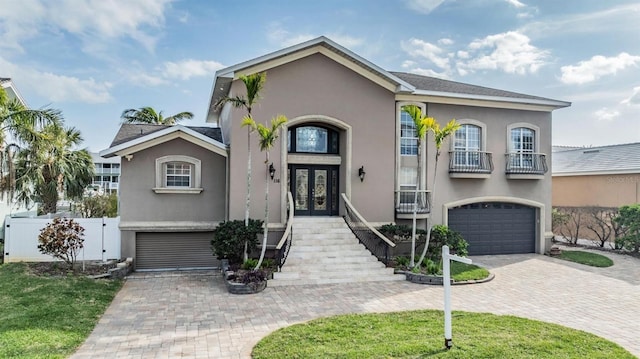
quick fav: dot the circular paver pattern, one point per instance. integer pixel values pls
(190, 314)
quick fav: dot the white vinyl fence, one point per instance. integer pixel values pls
(101, 239)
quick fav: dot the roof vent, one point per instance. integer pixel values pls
(591, 151)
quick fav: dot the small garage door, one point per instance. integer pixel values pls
(180, 250)
(495, 227)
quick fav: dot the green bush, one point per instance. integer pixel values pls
(249, 264)
(229, 239)
(98, 206)
(629, 218)
(441, 235)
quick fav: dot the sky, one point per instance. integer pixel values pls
(92, 59)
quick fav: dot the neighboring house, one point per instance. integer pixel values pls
(604, 176)
(345, 119)
(107, 176)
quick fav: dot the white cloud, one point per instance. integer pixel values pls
(284, 38)
(91, 20)
(516, 3)
(634, 99)
(462, 54)
(423, 6)
(510, 52)
(605, 114)
(422, 49)
(58, 88)
(596, 67)
(186, 69)
(429, 72)
(445, 42)
(408, 63)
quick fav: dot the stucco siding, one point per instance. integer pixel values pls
(613, 190)
(139, 203)
(317, 85)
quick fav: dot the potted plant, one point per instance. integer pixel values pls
(228, 244)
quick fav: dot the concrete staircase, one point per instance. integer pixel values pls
(324, 250)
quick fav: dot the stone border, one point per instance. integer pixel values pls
(419, 278)
(239, 288)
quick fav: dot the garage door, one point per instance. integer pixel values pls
(181, 250)
(495, 227)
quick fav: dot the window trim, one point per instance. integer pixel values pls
(332, 134)
(196, 175)
(536, 136)
(482, 144)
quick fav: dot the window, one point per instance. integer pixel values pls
(467, 145)
(408, 184)
(408, 139)
(178, 174)
(522, 142)
(312, 139)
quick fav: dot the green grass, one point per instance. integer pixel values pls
(48, 317)
(462, 272)
(587, 258)
(419, 334)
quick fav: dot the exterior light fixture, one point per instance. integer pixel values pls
(272, 171)
(361, 173)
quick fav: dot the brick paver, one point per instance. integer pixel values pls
(190, 314)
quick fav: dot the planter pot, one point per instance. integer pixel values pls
(424, 278)
(555, 251)
(241, 288)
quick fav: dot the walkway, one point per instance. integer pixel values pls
(191, 315)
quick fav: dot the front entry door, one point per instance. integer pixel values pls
(314, 189)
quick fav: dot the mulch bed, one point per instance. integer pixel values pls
(60, 269)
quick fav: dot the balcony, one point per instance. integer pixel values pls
(526, 165)
(470, 164)
(404, 200)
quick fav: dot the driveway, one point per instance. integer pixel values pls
(190, 314)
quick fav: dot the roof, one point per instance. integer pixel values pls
(96, 158)
(131, 131)
(399, 82)
(612, 159)
(427, 83)
(560, 148)
(132, 138)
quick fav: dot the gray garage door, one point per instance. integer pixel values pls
(495, 227)
(180, 250)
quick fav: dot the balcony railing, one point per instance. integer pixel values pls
(470, 162)
(405, 200)
(526, 163)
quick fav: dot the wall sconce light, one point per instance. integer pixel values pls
(361, 173)
(272, 171)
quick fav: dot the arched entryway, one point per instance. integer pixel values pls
(316, 156)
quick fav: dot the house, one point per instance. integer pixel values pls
(603, 176)
(107, 175)
(346, 134)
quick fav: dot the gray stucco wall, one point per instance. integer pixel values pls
(317, 85)
(139, 203)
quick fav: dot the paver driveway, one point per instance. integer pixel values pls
(191, 315)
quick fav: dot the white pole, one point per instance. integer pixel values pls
(446, 273)
(446, 269)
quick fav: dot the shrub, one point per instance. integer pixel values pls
(62, 239)
(629, 218)
(249, 264)
(229, 239)
(402, 261)
(98, 206)
(441, 235)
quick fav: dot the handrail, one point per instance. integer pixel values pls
(289, 222)
(361, 219)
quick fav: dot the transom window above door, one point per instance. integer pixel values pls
(312, 139)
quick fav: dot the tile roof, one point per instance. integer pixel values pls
(612, 158)
(131, 131)
(439, 85)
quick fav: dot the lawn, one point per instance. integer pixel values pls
(461, 272)
(587, 258)
(48, 317)
(419, 334)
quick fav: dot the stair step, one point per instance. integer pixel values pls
(296, 282)
(339, 248)
(292, 261)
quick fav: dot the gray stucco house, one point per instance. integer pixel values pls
(345, 120)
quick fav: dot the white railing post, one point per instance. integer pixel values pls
(446, 271)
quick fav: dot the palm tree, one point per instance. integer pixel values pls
(439, 136)
(148, 115)
(421, 130)
(48, 165)
(21, 125)
(253, 84)
(267, 138)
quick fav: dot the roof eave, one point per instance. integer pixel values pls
(547, 102)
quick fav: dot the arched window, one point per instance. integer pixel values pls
(178, 174)
(467, 145)
(313, 139)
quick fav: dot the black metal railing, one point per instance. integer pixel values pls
(527, 163)
(373, 240)
(405, 200)
(470, 162)
(284, 245)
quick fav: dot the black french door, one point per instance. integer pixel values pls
(314, 189)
